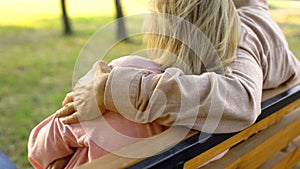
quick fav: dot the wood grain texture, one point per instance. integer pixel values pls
(257, 149)
(243, 135)
(286, 158)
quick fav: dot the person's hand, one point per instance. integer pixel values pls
(68, 110)
(60, 163)
(88, 97)
(68, 99)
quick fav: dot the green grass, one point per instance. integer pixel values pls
(37, 61)
(36, 69)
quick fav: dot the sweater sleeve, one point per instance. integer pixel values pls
(52, 140)
(209, 102)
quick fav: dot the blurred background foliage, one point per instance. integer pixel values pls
(37, 60)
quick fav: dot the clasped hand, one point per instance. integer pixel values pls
(88, 90)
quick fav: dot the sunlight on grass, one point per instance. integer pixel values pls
(287, 15)
(284, 4)
(29, 13)
(37, 61)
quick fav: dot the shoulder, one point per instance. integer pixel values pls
(260, 31)
(135, 61)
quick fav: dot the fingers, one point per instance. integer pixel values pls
(68, 99)
(66, 110)
(71, 119)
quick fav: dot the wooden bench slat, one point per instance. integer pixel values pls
(254, 151)
(205, 156)
(286, 158)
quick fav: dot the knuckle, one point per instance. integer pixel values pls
(69, 105)
(69, 96)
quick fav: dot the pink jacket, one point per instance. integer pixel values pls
(51, 139)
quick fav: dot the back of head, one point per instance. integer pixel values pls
(218, 22)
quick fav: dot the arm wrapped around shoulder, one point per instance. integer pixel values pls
(210, 102)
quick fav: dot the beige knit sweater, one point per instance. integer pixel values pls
(210, 102)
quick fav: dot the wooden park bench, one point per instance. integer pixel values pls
(272, 142)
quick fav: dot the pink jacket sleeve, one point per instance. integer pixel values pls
(51, 140)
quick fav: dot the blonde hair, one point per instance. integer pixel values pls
(218, 22)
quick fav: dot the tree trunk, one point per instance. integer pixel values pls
(67, 24)
(121, 33)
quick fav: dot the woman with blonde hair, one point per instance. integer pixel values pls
(216, 57)
(252, 52)
(193, 31)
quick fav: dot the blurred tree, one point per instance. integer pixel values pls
(121, 33)
(67, 24)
